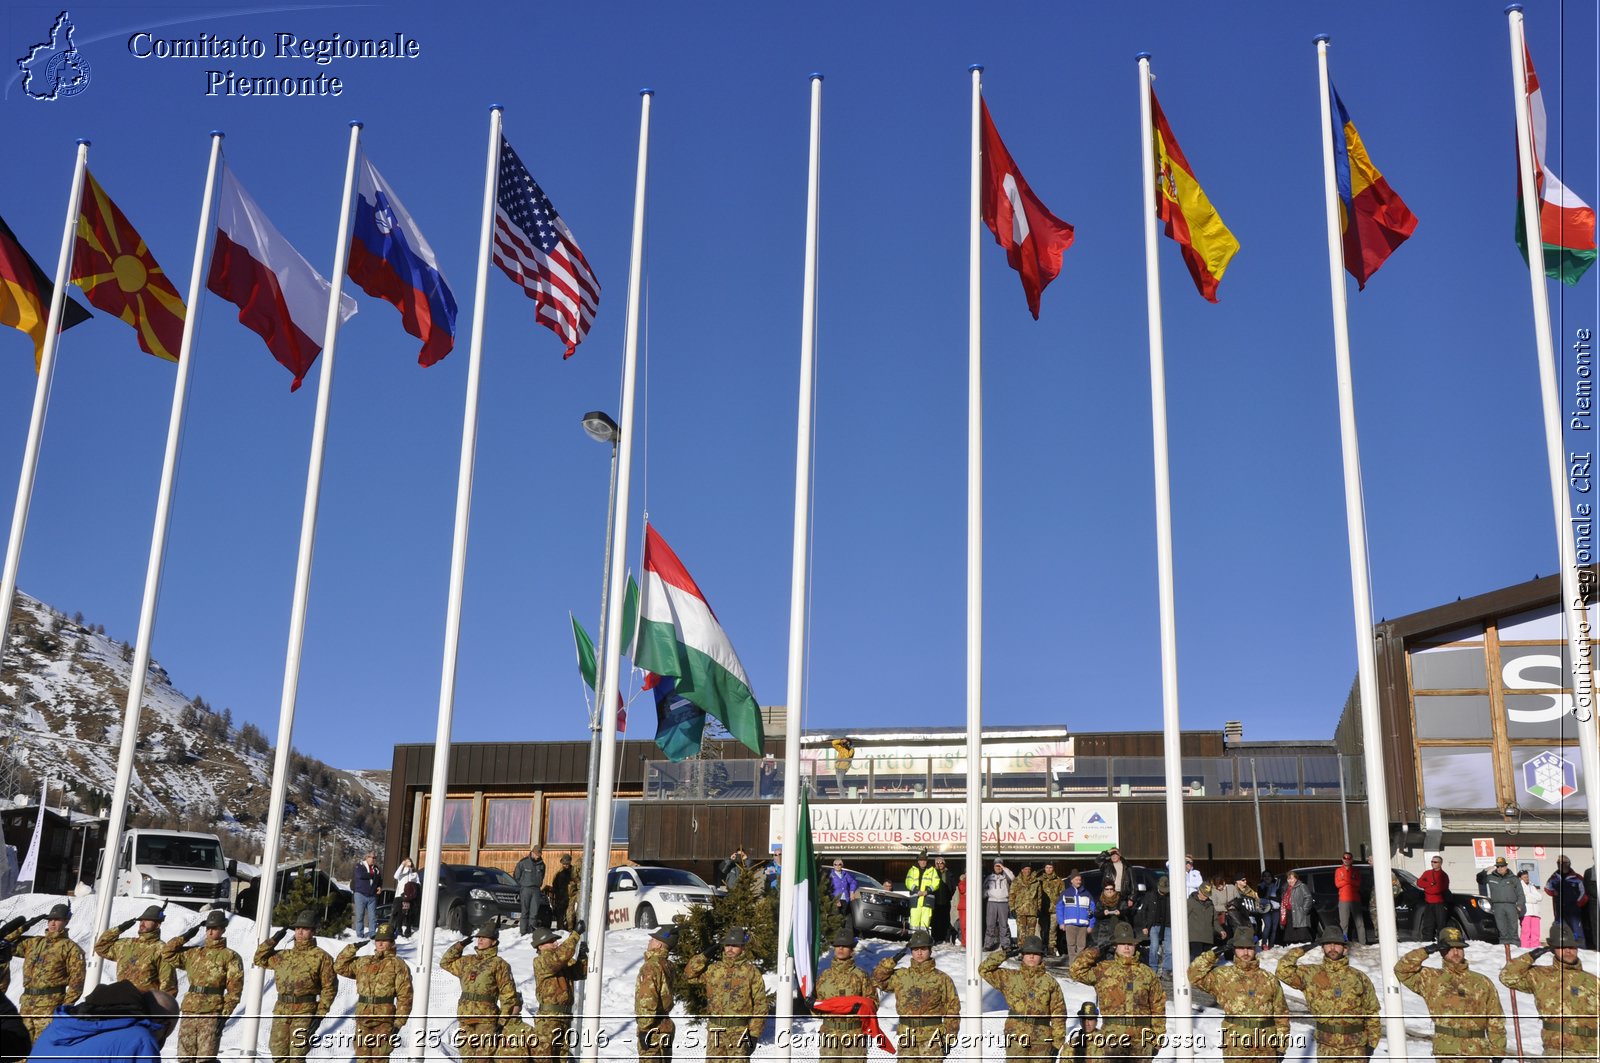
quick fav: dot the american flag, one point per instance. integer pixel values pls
(536, 249)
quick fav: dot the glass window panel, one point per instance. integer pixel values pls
(1322, 774)
(1447, 668)
(1457, 778)
(1542, 624)
(1535, 667)
(1452, 715)
(1548, 778)
(1470, 633)
(564, 820)
(457, 820)
(1540, 716)
(508, 821)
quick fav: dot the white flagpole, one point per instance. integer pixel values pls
(603, 796)
(1181, 995)
(1576, 614)
(422, 969)
(797, 588)
(266, 885)
(41, 397)
(106, 886)
(1391, 1006)
(974, 988)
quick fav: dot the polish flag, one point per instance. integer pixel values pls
(279, 296)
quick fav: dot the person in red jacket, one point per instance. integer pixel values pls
(1435, 886)
(1351, 910)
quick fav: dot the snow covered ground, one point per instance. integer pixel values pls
(625, 950)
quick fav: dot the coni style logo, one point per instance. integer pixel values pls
(54, 68)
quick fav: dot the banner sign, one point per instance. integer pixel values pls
(1482, 853)
(941, 827)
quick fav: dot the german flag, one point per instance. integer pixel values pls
(25, 294)
(1190, 218)
(118, 274)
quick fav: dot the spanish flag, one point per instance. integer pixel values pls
(1373, 218)
(119, 275)
(1190, 218)
(25, 294)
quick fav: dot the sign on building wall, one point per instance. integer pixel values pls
(941, 826)
(1482, 852)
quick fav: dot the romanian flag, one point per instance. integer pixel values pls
(1566, 223)
(119, 275)
(1189, 216)
(1374, 219)
(25, 294)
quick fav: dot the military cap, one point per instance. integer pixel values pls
(1331, 935)
(489, 930)
(667, 935)
(385, 932)
(1500, 861)
(920, 939)
(1122, 933)
(1204, 890)
(541, 936)
(844, 939)
(1089, 1010)
(306, 920)
(216, 919)
(1561, 937)
(735, 935)
(1032, 946)
(1163, 885)
(1451, 937)
(61, 912)
(153, 914)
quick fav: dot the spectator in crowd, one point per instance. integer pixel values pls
(1074, 915)
(1270, 889)
(115, 1022)
(958, 910)
(1347, 880)
(1153, 919)
(1108, 911)
(942, 896)
(1247, 910)
(922, 883)
(842, 888)
(1296, 908)
(774, 869)
(1532, 898)
(728, 870)
(407, 898)
(844, 754)
(1568, 897)
(1118, 876)
(1202, 920)
(529, 874)
(1222, 893)
(1435, 886)
(997, 908)
(1192, 878)
(1506, 901)
(563, 890)
(365, 884)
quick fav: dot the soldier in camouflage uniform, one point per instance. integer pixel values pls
(52, 969)
(1255, 1019)
(1467, 1020)
(306, 986)
(736, 999)
(1037, 1025)
(842, 1035)
(383, 993)
(1027, 896)
(140, 961)
(652, 998)
(488, 992)
(216, 982)
(517, 1040)
(930, 1011)
(1567, 996)
(1342, 1000)
(10, 934)
(1133, 1005)
(555, 968)
(1050, 885)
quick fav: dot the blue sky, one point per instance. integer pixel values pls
(1446, 384)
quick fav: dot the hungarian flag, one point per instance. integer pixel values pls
(117, 273)
(1190, 218)
(680, 636)
(25, 294)
(1566, 223)
(1034, 238)
(1374, 219)
(805, 935)
(279, 296)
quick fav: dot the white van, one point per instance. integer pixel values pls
(183, 867)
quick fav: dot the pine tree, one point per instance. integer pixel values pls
(748, 904)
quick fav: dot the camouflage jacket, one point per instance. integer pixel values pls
(1027, 895)
(52, 959)
(380, 978)
(487, 989)
(1567, 998)
(735, 993)
(304, 975)
(517, 1040)
(139, 960)
(921, 991)
(844, 979)
(652, 997)
(1340, 998)
(210, 967)
(1052, 885)
(1467, 1019)
(1254, 1014)
(1126, 990)
(554, 972)
(1030, 992)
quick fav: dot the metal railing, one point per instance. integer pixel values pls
(1007, 778)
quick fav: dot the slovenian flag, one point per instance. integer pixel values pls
(1566, 223)
(390, 260)
(279, 296)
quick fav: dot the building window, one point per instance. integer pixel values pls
(508, 821)
(1453, 716)
(457, 821)
(1458, 777)
(1447, 668)
(565, 818)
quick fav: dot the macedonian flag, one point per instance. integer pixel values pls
(1190, 218)
(117, 273)
(25, 294)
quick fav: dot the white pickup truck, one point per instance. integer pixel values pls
(183, 867)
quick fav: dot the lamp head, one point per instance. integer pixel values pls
(600, 426)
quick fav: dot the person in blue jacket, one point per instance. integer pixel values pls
(115, 1022)
(1074, 914)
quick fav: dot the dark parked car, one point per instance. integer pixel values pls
(877, 910)
(1463, 910)
(335, 904)
(470, 896)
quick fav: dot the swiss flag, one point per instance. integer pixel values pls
(1034, 238)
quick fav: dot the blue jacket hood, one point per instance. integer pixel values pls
(108, 1036)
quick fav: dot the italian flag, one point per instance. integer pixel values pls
(1566, 223)
(803, 943)
(679, 635)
